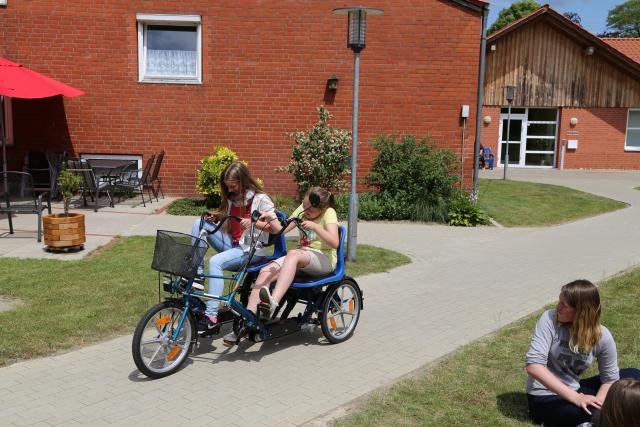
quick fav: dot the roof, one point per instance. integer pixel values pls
(476, 5)
(576, 32)
(630, 46)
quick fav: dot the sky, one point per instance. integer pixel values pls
(593, 12)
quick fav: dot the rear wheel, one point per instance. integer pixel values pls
(155, 351)
(341, 310)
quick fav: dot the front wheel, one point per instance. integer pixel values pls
(157, 350)
(341, 310)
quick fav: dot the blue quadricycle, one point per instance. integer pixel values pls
(167, 332)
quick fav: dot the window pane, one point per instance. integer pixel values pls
(513, 110)
(538, 160)
(171, 51)
(538, 144)
(514, 153)
(162, 37)
(634, 119)
(534, 129)
(633, 138)
(542, 114)
(515, 130)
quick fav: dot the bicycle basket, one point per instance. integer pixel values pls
(178, 253)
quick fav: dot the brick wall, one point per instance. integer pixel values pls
(600, 133)
(265, 67)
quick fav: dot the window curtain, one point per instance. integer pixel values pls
(171, 62)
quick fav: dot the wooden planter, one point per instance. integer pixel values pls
(63, 232)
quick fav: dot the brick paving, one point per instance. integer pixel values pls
(462, 284)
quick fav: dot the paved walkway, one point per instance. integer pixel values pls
(463, 284)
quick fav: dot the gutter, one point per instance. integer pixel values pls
(483, 59)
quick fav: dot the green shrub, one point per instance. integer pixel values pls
(189, 207)
(464, 212)
(319, 156)
(412, 171)
(209, 174)
(372, 207)
(68, 186)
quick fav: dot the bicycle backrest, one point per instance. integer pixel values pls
(280, 243)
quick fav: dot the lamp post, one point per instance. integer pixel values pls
(510, 95)
(356, 34)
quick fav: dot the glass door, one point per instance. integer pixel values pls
(516, 136)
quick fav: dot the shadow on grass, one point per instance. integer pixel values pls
(513, 405)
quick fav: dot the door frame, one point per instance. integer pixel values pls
(523, 138)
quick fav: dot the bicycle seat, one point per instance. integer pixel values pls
(337, 274)
(279, 249)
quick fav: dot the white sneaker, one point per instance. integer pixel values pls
(265, 296)
(230, 339)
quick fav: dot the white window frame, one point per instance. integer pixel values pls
(626, 132)
(143, 20)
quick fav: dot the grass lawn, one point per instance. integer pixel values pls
(517, 203)
(71, 303)
(483, 383)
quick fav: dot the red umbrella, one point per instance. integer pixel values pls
(17, 81)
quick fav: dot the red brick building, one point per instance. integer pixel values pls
(250, 74)
(572, 88)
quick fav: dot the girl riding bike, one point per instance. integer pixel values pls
(240, 195)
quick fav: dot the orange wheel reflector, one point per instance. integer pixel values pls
(352, 305)
(173, 353)
(163, 321)
(332, 322)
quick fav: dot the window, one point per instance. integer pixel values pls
(632, 142)
(169, 49)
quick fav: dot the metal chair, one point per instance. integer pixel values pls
(155, 181)
(17, 196)
(89, 183)
(134, 181)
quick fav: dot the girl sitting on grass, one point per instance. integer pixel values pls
(566, 341)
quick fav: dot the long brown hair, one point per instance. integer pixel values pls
(584, 297)
(236, 171)
(621, 408)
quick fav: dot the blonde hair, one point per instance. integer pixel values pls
(622, 405)
(583, 296)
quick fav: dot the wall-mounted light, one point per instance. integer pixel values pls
(573, 121)
(589, 50)
(487, 120)
(332, 83)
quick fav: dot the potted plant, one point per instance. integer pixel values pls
(65, 231)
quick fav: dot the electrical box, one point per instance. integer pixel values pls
(572, 144)
(465, 112)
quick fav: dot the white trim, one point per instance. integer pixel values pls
(524, 138)
(169, 20)
(626, 132)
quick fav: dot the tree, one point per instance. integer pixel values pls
(573, 17)
(624, 19)
(512, 13)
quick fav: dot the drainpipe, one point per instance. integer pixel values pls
(476, 148)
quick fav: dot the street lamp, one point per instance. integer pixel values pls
(356, 35)
(510, 95)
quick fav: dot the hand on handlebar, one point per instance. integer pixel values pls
(245, 223)
(309, 225)
(211, 217)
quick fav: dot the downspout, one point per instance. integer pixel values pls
(476, 148)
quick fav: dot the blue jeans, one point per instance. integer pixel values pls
(553, 410)
(229, 257)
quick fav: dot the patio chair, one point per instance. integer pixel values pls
(17, 196)
(45, 169)
(155, 181)
(135, 182)
(89, 182)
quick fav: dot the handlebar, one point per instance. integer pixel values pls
(255, 216)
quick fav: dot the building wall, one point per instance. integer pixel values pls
(600, 133)
(265, 68)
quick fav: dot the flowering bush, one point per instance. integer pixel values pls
(320, 156)
(209, 174)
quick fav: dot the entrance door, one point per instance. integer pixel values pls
(517, 136)
(532, 140)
